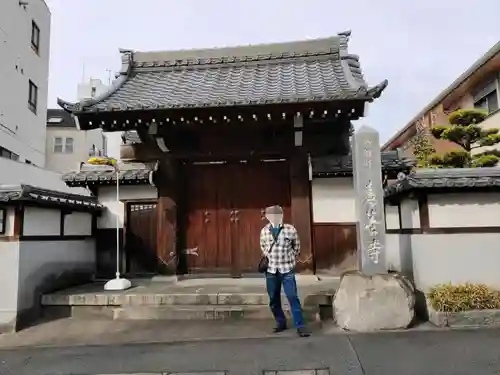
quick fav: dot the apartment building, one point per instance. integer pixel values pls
(67, 146)
(477, 87)
(24, 72)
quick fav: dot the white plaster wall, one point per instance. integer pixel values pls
(455, 258)
(398, 253)
(464, 210)
(9, 276)
(107, 197)
(333, 200)
(113, 143)
(41, 222)
(21, 130)
(391, 217)
(41, 262)
(410, 214)
(78, 224)
(21, 173)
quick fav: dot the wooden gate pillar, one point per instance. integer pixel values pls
(301, 209)
(167, 183)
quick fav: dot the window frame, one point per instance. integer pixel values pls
(486, 93)
(484, 102)
(32, 95)
(56, 145)
(54, 120)
(35, 37)
(66, 145)
(8, 154)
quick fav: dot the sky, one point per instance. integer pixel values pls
(419, 46)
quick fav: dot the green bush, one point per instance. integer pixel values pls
(485, 161)
(467, 116)
(465, 131)
(453, 298)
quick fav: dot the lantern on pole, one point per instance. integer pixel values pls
(107, 163)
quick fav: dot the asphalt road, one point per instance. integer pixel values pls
(467, 352)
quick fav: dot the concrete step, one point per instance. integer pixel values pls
(170, 299)
(199, 313)
(176, 312)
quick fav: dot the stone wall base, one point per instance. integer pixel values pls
(463, 319)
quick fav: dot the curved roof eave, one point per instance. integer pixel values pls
(122, 77)
(375, 91)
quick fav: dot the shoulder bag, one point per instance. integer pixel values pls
(264, 260)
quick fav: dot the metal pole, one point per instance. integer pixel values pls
(118, 223)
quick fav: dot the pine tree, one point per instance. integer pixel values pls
(422, 149)
(465, 131)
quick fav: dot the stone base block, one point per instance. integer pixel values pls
(464, 319)
(372, 303)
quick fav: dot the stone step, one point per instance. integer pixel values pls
(199, 313)
(173, 312)
(169, 299)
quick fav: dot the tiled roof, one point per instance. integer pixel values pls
(44, 197)
(130, 174)
(59, 118)
(392, 163)
(439, 179)
(294, 72)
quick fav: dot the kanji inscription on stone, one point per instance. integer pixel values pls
(367, 171)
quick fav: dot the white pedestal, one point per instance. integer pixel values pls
(117, 284)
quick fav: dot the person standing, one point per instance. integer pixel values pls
(280, 244)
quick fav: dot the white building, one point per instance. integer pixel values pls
(24, 72)
(91, 89)
(67, 147)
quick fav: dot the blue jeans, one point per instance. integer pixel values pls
(273, 284)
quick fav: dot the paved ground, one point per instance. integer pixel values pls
(417, 352)
(74, 332)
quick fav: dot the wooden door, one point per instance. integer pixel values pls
(226, 205)
(257, 186)
(207, 235)
(140, 247)
(335, 247)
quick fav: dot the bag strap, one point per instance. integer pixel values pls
(275, 239)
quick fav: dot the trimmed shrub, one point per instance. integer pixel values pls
(453, 298)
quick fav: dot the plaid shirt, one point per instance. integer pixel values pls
(285, 250)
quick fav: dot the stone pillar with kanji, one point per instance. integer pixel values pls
(367, 171)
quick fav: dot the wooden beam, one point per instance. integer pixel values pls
(423, 209)
(301, 209)
(18, 221)
(271, 113)
(167, 183)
